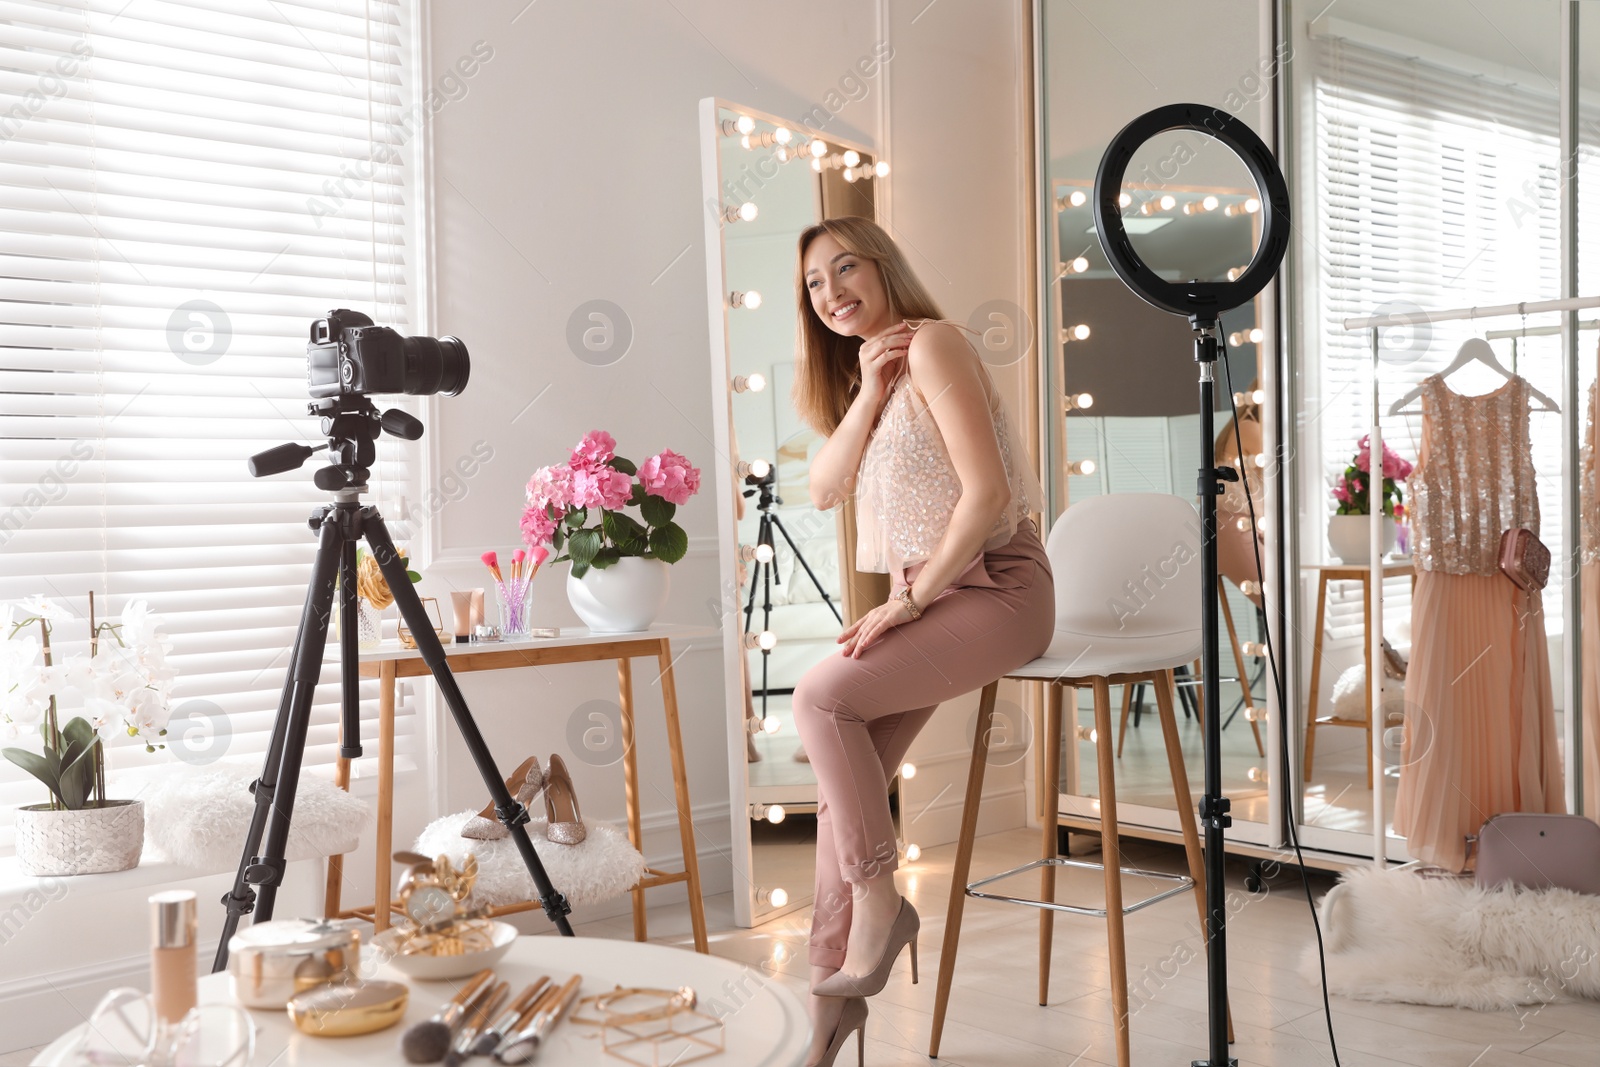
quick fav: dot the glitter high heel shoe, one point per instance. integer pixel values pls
(903, 932)
(525, 783)
(563, 822)
(854, 1017)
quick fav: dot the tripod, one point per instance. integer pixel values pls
(764, 569)
(352, 425)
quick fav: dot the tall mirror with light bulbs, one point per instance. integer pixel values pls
(789, 586)
(1122, 380)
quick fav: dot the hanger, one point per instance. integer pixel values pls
(1476, 349)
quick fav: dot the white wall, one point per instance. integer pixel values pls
(566, 169)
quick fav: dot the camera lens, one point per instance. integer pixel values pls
(435, 365)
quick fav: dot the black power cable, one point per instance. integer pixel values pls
(1277, 684)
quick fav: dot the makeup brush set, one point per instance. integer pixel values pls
(483, 1019)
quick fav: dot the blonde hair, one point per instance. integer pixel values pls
(829, 372)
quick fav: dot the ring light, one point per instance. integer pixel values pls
(1198, 299)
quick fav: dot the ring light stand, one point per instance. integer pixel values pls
(1203, 303)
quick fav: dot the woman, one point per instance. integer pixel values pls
(943, 497)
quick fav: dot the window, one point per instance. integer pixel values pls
(184, 188)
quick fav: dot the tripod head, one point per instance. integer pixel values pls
(351, 423)
(766, 485)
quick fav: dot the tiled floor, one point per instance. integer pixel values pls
(994, 1018)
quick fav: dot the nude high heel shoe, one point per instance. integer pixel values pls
(525, 783)
(563, 822)
(903, 932)
(854, 1017)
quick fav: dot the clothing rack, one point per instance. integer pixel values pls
(1571, 682)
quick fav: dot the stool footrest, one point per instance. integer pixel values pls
(1181, 883)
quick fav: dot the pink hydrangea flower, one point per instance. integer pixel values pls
(602, 487)
(670, 476)
(551, 486)
(538, 528)
(595, 449)
(1341, 493)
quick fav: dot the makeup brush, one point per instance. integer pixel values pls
(524, 1045)
(429, 1040)
(490, 1039)
(492, 561)
(538, 555)
(516, 563)
(478, 1017)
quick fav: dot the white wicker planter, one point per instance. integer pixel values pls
(89, 841)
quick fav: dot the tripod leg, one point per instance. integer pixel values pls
(506, 807)
(257, 866)
(797, 555)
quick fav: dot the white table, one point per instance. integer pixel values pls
(766, 1024)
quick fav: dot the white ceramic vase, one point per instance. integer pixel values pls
(1350, 537)
(626, 596)
(87, 841)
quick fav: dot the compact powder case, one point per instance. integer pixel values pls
(272, 961)
(348, 1009)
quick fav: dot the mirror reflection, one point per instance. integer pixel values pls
(776, 180)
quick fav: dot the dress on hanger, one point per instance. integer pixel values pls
(1480, 735)
(1589, 577)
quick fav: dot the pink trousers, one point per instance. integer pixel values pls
(858, 717)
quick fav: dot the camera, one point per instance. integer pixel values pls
(349, 356)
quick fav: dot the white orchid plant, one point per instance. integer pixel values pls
(122, 688)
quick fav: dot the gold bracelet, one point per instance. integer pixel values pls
(904, 596)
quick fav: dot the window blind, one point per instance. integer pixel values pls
(1435, 187)
(184, 187)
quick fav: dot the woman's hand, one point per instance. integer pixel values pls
(865, 630)
(878, 354)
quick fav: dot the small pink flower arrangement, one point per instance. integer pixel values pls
(560, 496)
(1351, 489)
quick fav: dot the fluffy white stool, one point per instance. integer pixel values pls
(602, 866)
(199, 818)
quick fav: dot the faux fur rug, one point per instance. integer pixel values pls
(1397, 936)
(603, 865)
(199, 818)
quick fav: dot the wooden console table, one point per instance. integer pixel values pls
(1344, 572)
(575, 645)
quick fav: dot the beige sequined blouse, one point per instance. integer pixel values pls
(907, 486)
(1474, 479)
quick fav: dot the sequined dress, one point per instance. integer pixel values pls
(1480, 735)
(907, 487)
(1589, 576)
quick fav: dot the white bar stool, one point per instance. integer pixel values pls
(1127, 580)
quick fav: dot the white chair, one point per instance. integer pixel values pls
(1127, 583)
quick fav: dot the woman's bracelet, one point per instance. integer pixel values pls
(904, 596)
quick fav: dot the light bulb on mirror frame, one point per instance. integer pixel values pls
(1251, 206)
(766, 640)
(1078, 402)
(1250, 587)
(759, 553)
(849, 175)
(783, 135)
(816, 164)
(1078, 198)
(1256, 774)
(1253, 648)
(777, 896)
(1255, 335)
(1258, 396)
(744, 142)
(1088, 733)
(1080, 332)
(750, 383)
(745, 212)
(749, 299)
(771, 724)
(1242, 524)
(818, 149)
(881, 168)
(1261, 460)
(1083, 467)
(1124, 200)
(1255, 715)
(913, 852)
(908, 770)
(1079, 264)
(851, 157)
(744, 124)
(757, 467)
(1167, 202)
(775, 814)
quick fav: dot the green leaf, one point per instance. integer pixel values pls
(625, 530)
(624, 465)
(585, 544)
(558, 541)
(669, 542)
(79, 732)
(414, 576)
(39, 766)
(606, 557)
(657, 511)
(577, 517)
(579, 569)
(636, 497)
